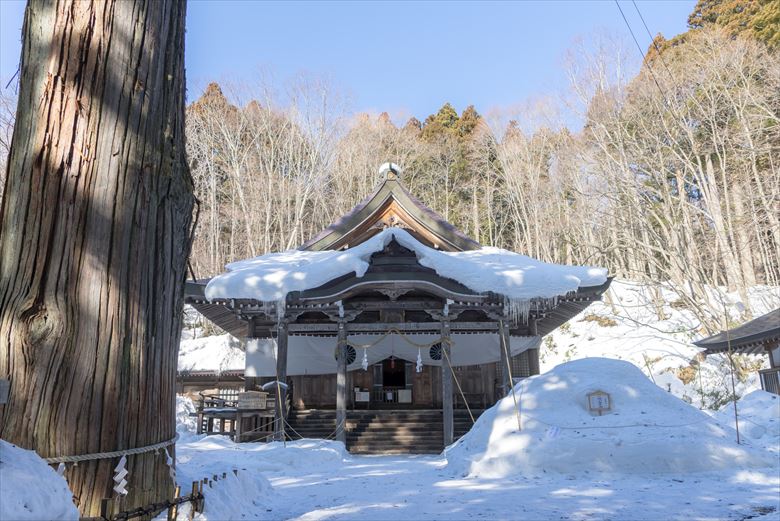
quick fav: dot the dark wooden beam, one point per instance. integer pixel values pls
(341, 384)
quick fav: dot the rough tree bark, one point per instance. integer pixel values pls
(94, 238)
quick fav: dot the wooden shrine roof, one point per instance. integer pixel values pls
(748, 338)
(391, 205)
(396, 291)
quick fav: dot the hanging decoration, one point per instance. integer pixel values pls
(61, 469)
(171, 466)
(419, 366)
(364, 363)
(119, 477)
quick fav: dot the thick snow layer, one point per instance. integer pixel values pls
(759, 418)
(217, 353)
(271, 277)
(316, 479)
(648, 431)
(30, 489)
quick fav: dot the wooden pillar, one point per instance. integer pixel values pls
(250, 382)
(341, 384)
(533, 354)
(503, 347)
(446, 384)
(280, 414)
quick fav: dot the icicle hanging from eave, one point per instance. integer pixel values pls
(519, 310)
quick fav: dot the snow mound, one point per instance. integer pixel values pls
(217, 353)
(648, 431)
(30, 489)
(185, 424)
(271, 277)
(759, 418)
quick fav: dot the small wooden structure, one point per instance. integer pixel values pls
(401, 301)
(234, 412)
(760, 336)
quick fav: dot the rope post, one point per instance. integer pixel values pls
(105, 508)
(731, 365)
(173, 509)
(446, 384)
(504, 334)
(281, 375)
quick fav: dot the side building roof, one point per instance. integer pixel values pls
(749, 338)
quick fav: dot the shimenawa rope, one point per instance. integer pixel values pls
(113, 454)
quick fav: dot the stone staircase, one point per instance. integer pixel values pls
(408, 431)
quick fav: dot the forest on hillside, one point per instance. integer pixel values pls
(674, 176)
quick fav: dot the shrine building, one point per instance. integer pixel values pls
(391, 330)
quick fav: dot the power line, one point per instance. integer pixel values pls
(644, 60)
(652, 39)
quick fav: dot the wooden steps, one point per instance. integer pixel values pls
(407, 431)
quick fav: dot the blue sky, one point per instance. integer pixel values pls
(403, 57)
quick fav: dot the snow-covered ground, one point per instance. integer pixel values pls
(564, 464)
(30, 489)
(654, 457)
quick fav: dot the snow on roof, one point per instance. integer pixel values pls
(272, 276)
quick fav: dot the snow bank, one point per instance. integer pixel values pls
(218, 353)
(649, 431)
(759, 418)
(30, 489)
(271, 277)
(185, 424)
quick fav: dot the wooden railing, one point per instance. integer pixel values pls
(770, 380)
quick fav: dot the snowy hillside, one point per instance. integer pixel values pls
(217, 353)
(626, 326)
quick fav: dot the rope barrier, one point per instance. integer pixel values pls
(509, 373)
(113, 454)
(408, 340)
(454, 377)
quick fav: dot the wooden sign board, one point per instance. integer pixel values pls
(252, 400)
(5, 389)
(599, 402)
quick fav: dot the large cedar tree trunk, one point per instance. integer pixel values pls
(94, 239)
